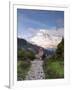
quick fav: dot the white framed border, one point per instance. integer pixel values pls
(13, 45)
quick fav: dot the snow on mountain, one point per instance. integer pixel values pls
(47, 38)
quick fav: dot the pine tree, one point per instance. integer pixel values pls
(60, 49)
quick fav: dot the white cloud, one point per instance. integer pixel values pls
(57, 32)
(30, 32)
(27, 33)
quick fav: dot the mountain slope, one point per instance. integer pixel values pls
(23, 44)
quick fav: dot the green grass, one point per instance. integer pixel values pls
(54, 68)
(24, 63)
(22, 69)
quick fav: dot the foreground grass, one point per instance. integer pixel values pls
(24, 63)
(54, 68)
(22, 69)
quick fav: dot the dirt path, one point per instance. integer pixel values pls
(36, 70)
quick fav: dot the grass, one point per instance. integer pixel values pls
(24, 63)
(54, 68)
(22, 69)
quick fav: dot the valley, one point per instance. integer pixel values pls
(35, 62)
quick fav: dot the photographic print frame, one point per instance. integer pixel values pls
(13, 44)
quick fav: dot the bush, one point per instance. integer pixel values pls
(53, 69)
(23, 63)
(60, 49)
(21, 54)
(31, 55)
(22, 69)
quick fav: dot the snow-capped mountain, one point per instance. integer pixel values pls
(47, 38)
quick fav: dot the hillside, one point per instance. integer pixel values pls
(23, 44)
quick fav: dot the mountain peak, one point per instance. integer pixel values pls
(45, 39)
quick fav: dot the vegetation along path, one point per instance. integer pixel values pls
(36, 70)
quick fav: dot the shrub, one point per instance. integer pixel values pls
(21, 54)
(22, 69)
(60, 49)
(53, 68)
(31, 55)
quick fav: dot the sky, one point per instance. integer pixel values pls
(29, 21)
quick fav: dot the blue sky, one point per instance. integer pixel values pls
(30, 21)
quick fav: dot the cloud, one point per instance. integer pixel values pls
(57, 32)
(27, 33)
(31, 32)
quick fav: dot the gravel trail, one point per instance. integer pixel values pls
(36, 70)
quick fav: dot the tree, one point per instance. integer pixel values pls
(60, 49)
(21, 54)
